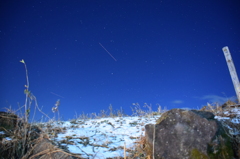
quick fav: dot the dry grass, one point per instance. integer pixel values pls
(225, 110)
(19, 138)
(141, 150)
(146, 111)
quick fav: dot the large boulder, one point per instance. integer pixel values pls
(188, 134)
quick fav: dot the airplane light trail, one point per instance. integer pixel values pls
(107, 51)
(56, 94)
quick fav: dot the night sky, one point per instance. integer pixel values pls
(90, 54)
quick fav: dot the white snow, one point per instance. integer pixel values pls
(8, 138)
(102, 138)
(106, 137)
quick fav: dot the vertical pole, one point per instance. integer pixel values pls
(232, 71)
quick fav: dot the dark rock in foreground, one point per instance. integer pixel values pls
(8, 121)
(44, 149)
(188, 134)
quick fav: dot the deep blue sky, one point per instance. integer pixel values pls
(167, 52)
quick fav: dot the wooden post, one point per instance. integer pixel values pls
(232, 71)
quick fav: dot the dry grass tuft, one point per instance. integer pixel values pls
(141, 150)
(20, 139)
(225, 110)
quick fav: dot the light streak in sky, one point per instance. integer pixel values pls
(56, 94)
(107, 51)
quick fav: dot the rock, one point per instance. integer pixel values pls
(188, 134)
(44, 149)
(8, 121)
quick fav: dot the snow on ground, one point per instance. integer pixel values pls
(106, 137)
(101, 138)
(231, 121)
